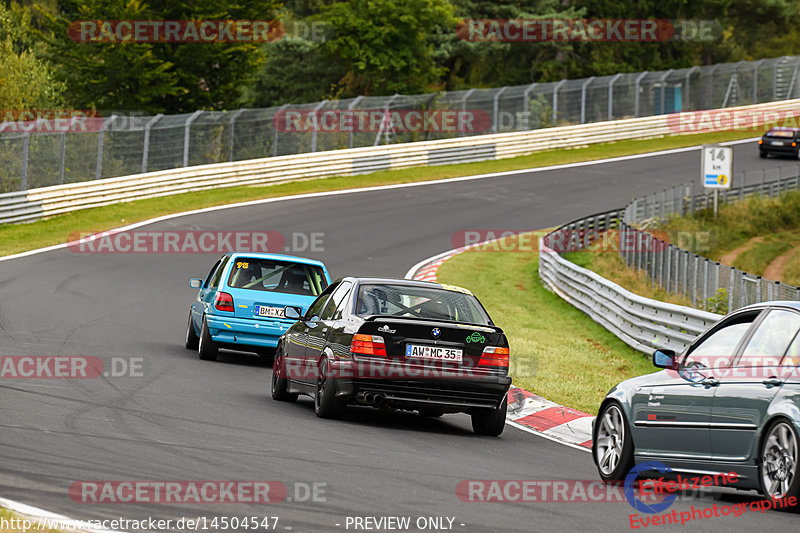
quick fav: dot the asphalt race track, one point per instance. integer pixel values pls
(185, 419)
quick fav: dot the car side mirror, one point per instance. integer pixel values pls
(195, 283)
(664, 359)
(292, 312)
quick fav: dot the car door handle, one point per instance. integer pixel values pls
(710, 382)
(772, 381)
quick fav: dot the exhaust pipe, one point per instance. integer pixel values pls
(379, 399)
(369, 397)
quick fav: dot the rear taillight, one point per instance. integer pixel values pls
(761, 141)
(794, 144)
(223, 302)
(494, 356)
(368, 345)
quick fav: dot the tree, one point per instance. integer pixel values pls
(26, 81)
(387, 46)
(151, 76)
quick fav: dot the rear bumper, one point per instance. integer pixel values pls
(778, 150)
(453, 390)
(230, 330)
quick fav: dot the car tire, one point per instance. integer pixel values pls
(612, 446)
(431, 412)
(778, 469)
(326, 403)
(207, 349)
(279, 382)
(762, 154)
(490, 422)
(192, 339)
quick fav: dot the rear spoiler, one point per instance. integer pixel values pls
(465, 325)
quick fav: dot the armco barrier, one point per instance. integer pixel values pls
(704, 282)
(642, 323)
(47, 201)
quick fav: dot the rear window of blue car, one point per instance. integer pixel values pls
(277, 276)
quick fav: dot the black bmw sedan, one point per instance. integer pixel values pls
(396, 344)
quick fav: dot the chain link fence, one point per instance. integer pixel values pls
(707, 284)
(123, 143)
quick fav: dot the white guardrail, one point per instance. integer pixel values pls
(47, 201)
(642, 323)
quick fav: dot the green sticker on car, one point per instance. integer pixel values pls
(476, 337)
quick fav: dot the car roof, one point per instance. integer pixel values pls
(396, 281)
(784, 128)
(774, 303)
(278, 257)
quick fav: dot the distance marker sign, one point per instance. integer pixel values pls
(717, 167)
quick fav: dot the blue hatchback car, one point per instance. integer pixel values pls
(240, 304)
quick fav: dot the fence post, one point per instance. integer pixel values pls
(232, 126)
(688, 91)
(668, 281)
(705, 280)
(316, 120)
(611, 95)
(26, 141)
(555, 100)
(463, 107)
(186, 132)
(100, 135)
(63, 154)
(686, 274)
(755, 80)
(146, 149)
(583, 98)
(732, 286)
(496, 108)
(663, 82)
(275, 132)
(758, 289)
(636, 94)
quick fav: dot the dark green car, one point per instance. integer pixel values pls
(729, 403)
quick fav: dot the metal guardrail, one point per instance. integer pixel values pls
(706, 283)
(124, 144)
(57, 199)
(642, 323)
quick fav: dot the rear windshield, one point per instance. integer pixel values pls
(419, 302)
(277, 276)
(783, 134)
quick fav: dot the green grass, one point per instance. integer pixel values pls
(791, 272)
(758, 257)
(15, 238)
(612, 266)
(557, 351)
(737, 223)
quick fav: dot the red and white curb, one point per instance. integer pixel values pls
(526, 410)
